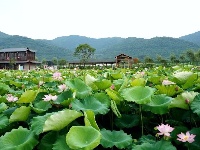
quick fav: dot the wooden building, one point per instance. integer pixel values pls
(124, 61)
(18, 58)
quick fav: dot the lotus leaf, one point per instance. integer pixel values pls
(20, 114)
(195, 105)
(115, 138)
(89, 80)
(37, 123)
(182, 77)
(103, 84)
(4, 88)
(182, 100)
(114, 95)
(3, 121)
(80, 88)
(61, 119)
(41, 106)
(158, 104)
(138, 82)
(83, 137)
(195, 145)
(127, 121)
(160, 145)
(28, 96)
(90, 119)
(90, 103)
(64, 96)
(138, 94)
(60, 143)
(169, 90)
(47, 141)
(116, 75)
(3, 107)
(18, 139)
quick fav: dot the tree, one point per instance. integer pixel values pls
(55, 60)
(191, 56)
(84, 52)
(173, 58)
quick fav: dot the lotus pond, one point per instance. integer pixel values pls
(135, 109)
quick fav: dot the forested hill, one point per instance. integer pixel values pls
(106, 48)
(43, 49)
(194, 38)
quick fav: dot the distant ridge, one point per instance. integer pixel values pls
(194, 38)
(106, 48)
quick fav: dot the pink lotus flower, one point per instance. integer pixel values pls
(62, 87)
(186, 137)
(49, 97)
(167, 82)
(57, 76)
(11, 98)
(164, 130)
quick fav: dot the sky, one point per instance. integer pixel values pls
(48, 19)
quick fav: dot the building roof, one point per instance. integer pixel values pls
(123, 56)
(16, 50)
(20, 62)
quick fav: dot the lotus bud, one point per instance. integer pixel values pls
(112, 87)
(187, 101)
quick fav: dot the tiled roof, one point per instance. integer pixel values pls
(16, 50)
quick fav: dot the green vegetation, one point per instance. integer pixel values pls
(142, 108)
(84, 52)
(106, 48)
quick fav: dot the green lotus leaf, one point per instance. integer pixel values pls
(195, 145)
(160, 145)
(90, 119)
(3, 107)
(115, 138)
(103, 84)
(41, 106)
(80, 88)
(28, 96)
(60, 143)
(138, 94)
(115, 109)
(89, 80)
(18, 139)
(195, 105)
(3, 121)
(20, 114)
(116, 75)
(158, 104)
(138, 82)
(114, 95)
(47, 141)
(190, 81)
(4, 88)
(17, 84)
(90, 103)
(155, 79)
(64, 96)
(103, 98)
(127, 121)
(181, 100)
(169, 90)
(61, 119)
(182, 77)
(147, 139)
(37, 123)
(83, 137)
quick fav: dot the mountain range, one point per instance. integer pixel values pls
(106, 48)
